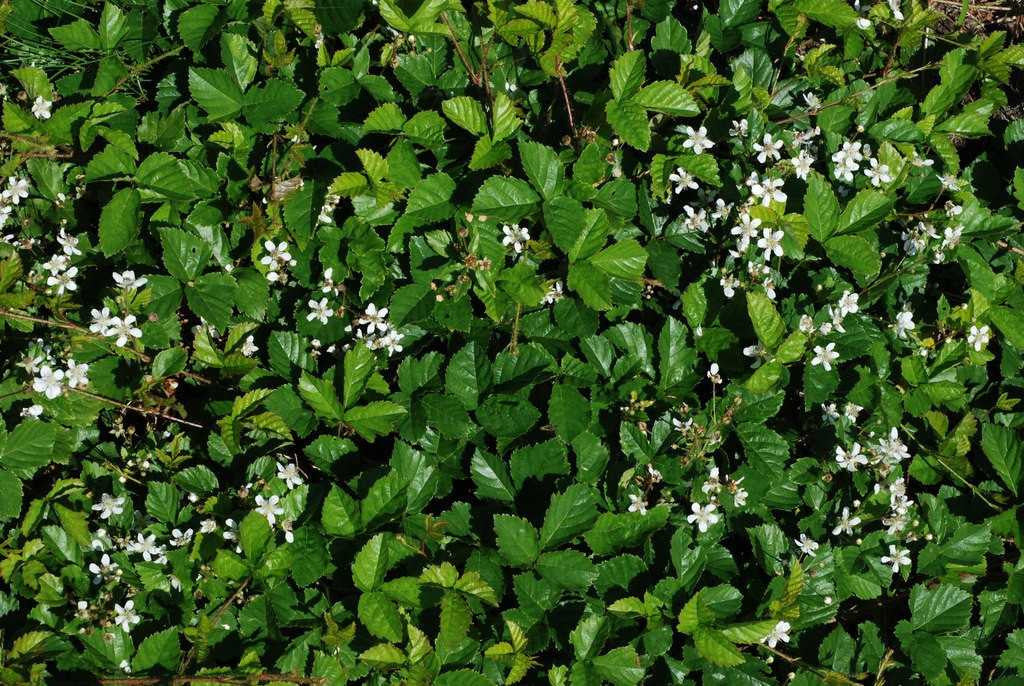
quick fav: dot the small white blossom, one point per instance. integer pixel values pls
(682, 180)
(768, 149)
(50, 382)
(806, 545)
(904, 323)
(319, 310)
(697, 140)
(802, 164)
(771, 242)
(125, 616)
(978, 337)
(289, 474)
(554, 294)
(127, 280)
(41, 108)
(846, 523)
(249, 347)
(124, 330)
(269, 508)
(849, 460)
(516, 236)
(779, 633)
(704, 517)
(108, 506)
(897, 557)
(76, 374)
(637, 504)
(825, 356)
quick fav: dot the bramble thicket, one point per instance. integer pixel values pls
(563, 342)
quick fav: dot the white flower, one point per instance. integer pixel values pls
(637, 504)
(756, 351)
(851, 410)
(893, 449)
(771, 242)
(516, 236)
(713, 374)
(554, 293)
(878, 173)
(704, 517)
(779, 633)
(897, 558)
(698, 140)
(41, 107)
(56, 264)
(124, 329)
(17, 189)
(63, 281)
(682, 180)
(101, 321)
(802, 164)
(127, 280)
(713, 484)
(319, 310)
(811, 100)
(275, 253)
(739, 128)
(249, 347)
(950, 182)
(825, 356)
(897, 14)
(768, 190)
(729, 284)
(269, 508)
(49, 382)
(290, 475)
(846, 523)
(375, 319)
(904, 323)
(34, 410)
(147, 547)
(768, 149)
(978, 337)
(207, 526)
(125, 666)
(68, 242)
(848, 303)
(109, 505)
(391, 341)
(286, 526)
(180, 539)
(863, 24)
(125, 617)
(745, 231)
(806, 545)
(739, 494)
(76, 374)
(850, 460)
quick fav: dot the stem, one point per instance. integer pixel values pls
(458, 48)
(216, 618)
(214, 678)
(142, 410)
(629, 25)
(71, 326)
(138, 69)
(565, 95)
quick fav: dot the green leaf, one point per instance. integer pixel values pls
(542, 167)
(360, 363)
(216, 91)
(1010, 323)
(570, 514)
(254, 534)
(767, 322)
(618, 531)
(371, 563)
(271, 102)
(467, 113)
(716, 648)
(320, 395)
(374, 419)
(516, 539)
(10, 496)
(505, 198)
(491, 477)
(667, 97)
(119, 221)
(627, 74)
(212, 297)
(1004, 452)
(821, 207)
(568, 411)
(738, 12)
(856, 254)
(28, 447)
(940, 609)
(162, 649)
(629, 121)
(185, 255)
(620, 666)
(867, 209)
(340, 514)
(380, 616)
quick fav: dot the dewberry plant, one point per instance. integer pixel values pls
(559, 342)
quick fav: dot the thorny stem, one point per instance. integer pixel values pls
(216, 618)
(629, 25)
(458, 49)
(565, 95)
(1011, 248)
(133, 408)
(138, 69)
(71, 326)
(514, 343)
(214, 678)
(833, 677)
